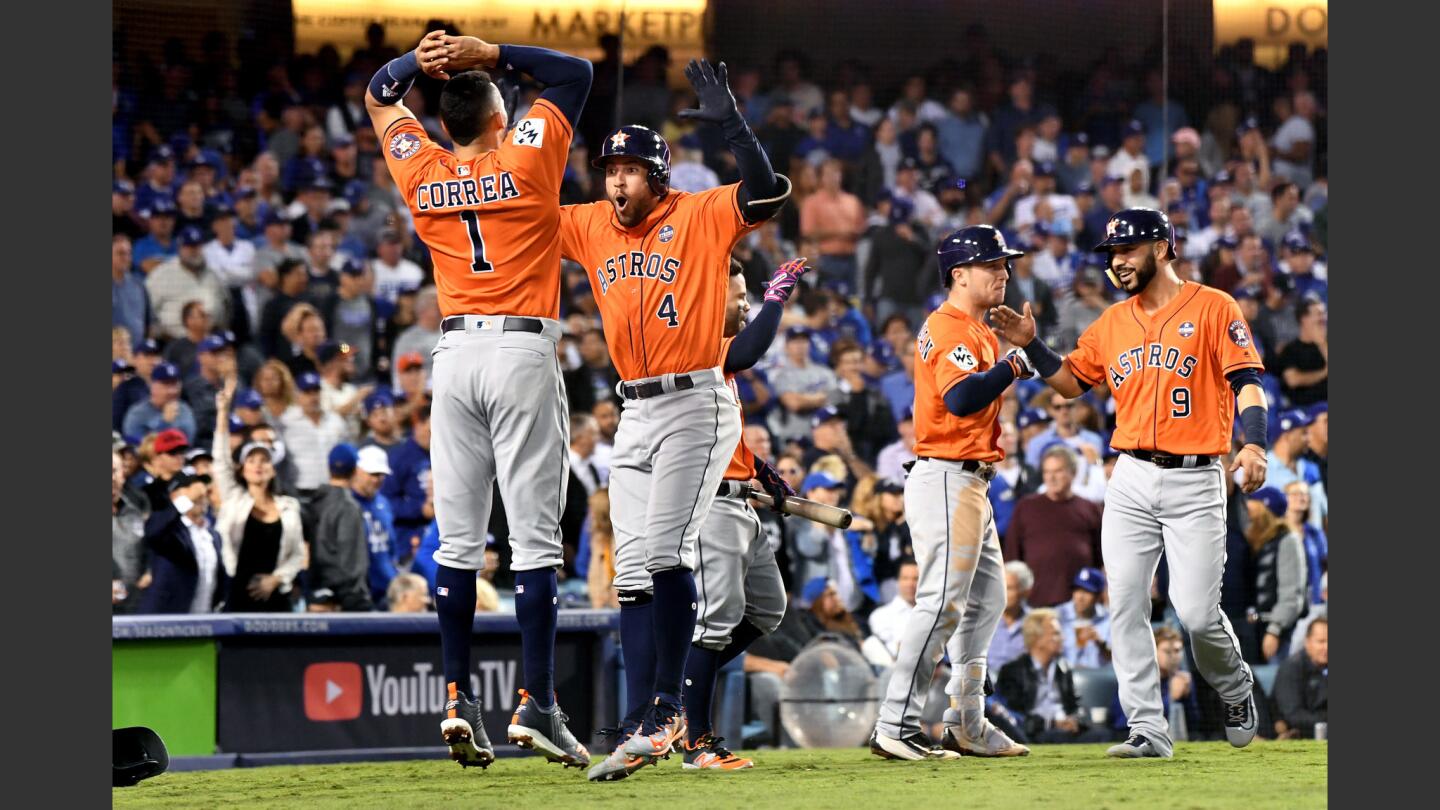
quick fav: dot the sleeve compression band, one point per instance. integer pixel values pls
(391, 82)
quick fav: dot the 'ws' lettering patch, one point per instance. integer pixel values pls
(404, 145)
(1239, 334)
(962, 358)
(530, 132)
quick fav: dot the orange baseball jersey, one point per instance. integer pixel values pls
(742, 463)
(490, 222)
(950, 347)
(661, 284)
(1167, 370)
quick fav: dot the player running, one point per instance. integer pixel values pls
(742, 595)
(960, 382)
(658, 260)
(489, 211)
(1168, 355)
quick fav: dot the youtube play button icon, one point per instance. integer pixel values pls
(333, 691)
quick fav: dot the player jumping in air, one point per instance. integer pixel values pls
(1168, 355)
(489, 210)
(658, 262)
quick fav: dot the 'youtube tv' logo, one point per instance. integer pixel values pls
(333, 691)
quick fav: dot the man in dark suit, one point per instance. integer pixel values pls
(1038, 689)
(1302, 686)
(1024, 287)
(187, 575)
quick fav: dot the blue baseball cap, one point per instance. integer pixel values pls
(378, 398)
(222, 211)
(355, 191)
(245, 193)
(343, 458)
(1222, 178)
(824, 415)
(162, 154)
(1112, 180)
(1032, 416)
(882, 353)
(236, 425)
(1247, 125)
(796, 332)
(1294, 419)
(343, 139)
(160, 207)
(1228, 242)
(276, 218)
(1045, 168)
(1244, 291)
(148, 346)
(123, 187)
(1134, 127)
(1084, 187)
(191, 236)
(813, 590)
(1317, 409)
(1090, 579)
(309, 381)
(1297, 241)
(165, 373)
(250, 398)
(354, 268)
(819, 480)
(901, 210)
(1273, 499)
(120, 366)
(213, 343)
(203, 160)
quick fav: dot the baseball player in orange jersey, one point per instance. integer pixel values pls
(741, 592)
(658, 261)
(1172, 355)
(489, 210)
(960, 381)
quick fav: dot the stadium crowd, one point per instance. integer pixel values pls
(273, 314)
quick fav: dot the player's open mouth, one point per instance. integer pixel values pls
(1124, 274)
(620, 202)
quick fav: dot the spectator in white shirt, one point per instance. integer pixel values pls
(310, 432)
(689, 173)
(927, 110)
(890, 461)
(1131, 156)
(232, 258)
(907, 187)
(394, 273)
(887, 622)
(584, 436)
(1294, 141)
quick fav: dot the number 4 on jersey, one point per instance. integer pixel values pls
(477, 243)
(667, 311)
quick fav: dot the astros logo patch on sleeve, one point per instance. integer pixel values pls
(1239, 334)
(404, 145)
(530, 132)
(962, 358)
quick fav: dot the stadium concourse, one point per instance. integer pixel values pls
(257, 237)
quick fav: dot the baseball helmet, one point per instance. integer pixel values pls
(1133, 226)
(641, 143)
(973, 244)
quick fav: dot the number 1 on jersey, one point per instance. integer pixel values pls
(667, 311)
(477, 243)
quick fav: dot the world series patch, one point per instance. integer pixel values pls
(667, 233)
(404, 145)
(962, 358)
(1187, 329)
(1239, 334)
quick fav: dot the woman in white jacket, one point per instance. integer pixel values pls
(262, 541)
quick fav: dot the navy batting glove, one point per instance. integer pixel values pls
(712, 87)
(773, 484)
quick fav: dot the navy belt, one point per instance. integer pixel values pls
(456, 323)
(979, 467)
(1170, 461)
(654, 388)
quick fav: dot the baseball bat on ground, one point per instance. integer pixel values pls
(810, 510)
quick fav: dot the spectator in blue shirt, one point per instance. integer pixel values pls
(1084, 622)
(1021, 110)
(1312, 537)
(1064, 429)
(899, 386)
(845, 138)
(372, 467)
(1300, 261)
(159, 245)
(164, 408)
(129, 303)
(962, 136)
(159, 179)
(405, 488)
(1153, 114)
(1176, 686)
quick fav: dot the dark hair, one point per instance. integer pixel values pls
(736, 268)
(904, 561)
(1302, 307)
(1279, 190)
(466, 103)
(885, 326)
(840, 347)
(287, 266)
(422, 414)
(190, 306)
(1315, 622)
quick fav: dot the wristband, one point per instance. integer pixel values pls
(391, 82)
(1253, 420)
(1047, 363)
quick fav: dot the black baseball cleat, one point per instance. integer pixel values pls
(464, 732)
(1240, 721)
(544, 732)
(1136, 747)
(913, 746)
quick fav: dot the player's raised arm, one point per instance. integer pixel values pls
(393, 80)
(1019, 330)
(762, 191)
(566, 78)
(755, 339)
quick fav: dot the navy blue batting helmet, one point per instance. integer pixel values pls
(973, 244)
(1135, 225)
(641, 143)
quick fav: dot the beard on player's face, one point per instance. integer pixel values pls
(627, 187)
(1135, 270)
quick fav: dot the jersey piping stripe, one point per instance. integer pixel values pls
(564, 447)
(640, 319)
(710, 459)
(392, 124)
(569, 130)
(700, 579)
(1155, 408)
(1244, 364)
(944, 585)
(1075, 372)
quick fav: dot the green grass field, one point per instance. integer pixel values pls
(1266, 774)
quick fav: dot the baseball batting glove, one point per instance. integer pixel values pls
(782, 284)
(712, 88)
(774, 485)
(1020, 362)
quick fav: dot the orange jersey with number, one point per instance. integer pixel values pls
(1167, 370)
(661, 284)
(950, 347)
(490, 222)
(742, 463)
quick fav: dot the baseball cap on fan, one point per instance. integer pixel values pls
(819, 480)
(1090, 579)
(308, 382)
(373, 460)
(824, 415)
(1273, 499)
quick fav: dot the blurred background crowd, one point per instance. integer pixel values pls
(273, 315)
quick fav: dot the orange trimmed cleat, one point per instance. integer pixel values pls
(669, 733)
(464, 731)
(545, 733)
(707, 754)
